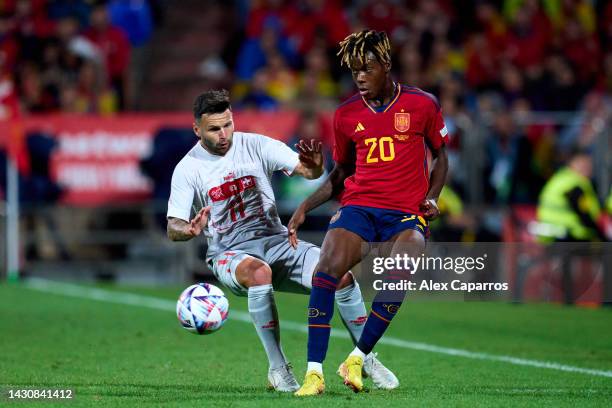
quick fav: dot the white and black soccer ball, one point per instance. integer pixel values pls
(202, 308)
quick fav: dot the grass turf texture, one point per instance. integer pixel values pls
(120, 355)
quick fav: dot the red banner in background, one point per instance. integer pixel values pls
(97, 158)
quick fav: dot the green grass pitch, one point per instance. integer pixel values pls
(116, 355)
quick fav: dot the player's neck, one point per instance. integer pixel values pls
(385, 96)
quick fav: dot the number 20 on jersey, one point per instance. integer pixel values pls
(380, 149)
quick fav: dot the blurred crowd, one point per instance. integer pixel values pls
(495, 66)
(489, 62)
(540, 55)
(70, 55)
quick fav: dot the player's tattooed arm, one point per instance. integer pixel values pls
(311, 159)
(180, 230)
(331, 187)
(436, 181)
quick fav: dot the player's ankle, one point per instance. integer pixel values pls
(357, 352)
(314, 366)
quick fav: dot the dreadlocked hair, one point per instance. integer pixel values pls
(356, 45)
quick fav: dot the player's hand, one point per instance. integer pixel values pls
(296, 220)
(311, 153)
(198, 223)
(430, 209)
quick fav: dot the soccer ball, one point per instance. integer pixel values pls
(202, 308)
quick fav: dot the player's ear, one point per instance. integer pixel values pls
(387, 66)
(196, 128)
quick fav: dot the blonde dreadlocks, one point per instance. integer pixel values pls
(356, 45)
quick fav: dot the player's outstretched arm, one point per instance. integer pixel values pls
(331, 187)
(311, 159)
(436, 181)
(180, 230)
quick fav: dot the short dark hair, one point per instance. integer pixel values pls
(212, 101)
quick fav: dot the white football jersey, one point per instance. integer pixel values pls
(236, 186)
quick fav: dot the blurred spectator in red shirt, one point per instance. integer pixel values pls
(528, 37)
(32, 19)
(315, 18)
(581, 48)
(268, 13)
(382, 15)
(33, 97)
(114, 45)
(301, 22)
(31, 26)
(9, 100)
(493, 25)
(8, 45)
(482, 64)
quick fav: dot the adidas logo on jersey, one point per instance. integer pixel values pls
(359, 127)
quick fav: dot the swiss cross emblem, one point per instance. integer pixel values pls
(402, 121)
(246, 182)
(215, 193)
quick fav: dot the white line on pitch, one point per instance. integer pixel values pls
(103, 295)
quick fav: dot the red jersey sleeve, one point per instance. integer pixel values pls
(437, 134)
(344, 147)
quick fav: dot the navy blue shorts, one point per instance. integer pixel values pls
(377, 224)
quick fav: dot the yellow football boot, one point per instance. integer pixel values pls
(314, 384)
(350, 370)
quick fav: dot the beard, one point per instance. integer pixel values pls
(216, 148)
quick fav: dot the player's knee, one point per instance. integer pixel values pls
(332, 266)
(261, 275)
(254, 272)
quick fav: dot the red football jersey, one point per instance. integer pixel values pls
(389, 148)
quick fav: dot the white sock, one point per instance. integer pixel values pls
(352, 310)
(357, 352)
(264, 315)
(312, 366)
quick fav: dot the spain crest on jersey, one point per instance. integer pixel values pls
(402, 121)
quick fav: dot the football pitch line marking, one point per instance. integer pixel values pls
(124, 298)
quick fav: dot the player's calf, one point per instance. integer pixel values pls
(385, 306)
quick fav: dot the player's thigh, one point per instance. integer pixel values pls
(408, 242)
(294, 274)
(341, 250)
(299, 277)
(232, 267)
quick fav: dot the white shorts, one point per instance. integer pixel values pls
(292, 269)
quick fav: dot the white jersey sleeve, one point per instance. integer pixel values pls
(181, 194)
(277, 155)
